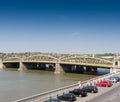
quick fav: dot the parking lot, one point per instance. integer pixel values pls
(101, 90)
(91, 96)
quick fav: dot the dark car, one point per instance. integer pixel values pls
(92, 89)
(79, 92)
(52, 100)
(67, 97)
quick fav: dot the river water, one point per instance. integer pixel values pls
(15, 85)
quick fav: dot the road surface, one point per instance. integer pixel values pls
(112, 95)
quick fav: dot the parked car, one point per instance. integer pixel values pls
(112, 80)
(79, 92)
(104, 83)
(67, 97)
(52, 100)
(91, 88)
(116, 78)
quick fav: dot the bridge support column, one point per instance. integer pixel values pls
(22, 66)
(91, 69)
(58, 69)
(1, 64)
(81, 69)
(111, 70)
(88, 69)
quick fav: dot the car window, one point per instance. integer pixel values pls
(91, 87)
(67, 95)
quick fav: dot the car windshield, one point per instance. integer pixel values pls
(90, 86)
(116, 77)
(105, 81)
(78, 89)
(67, 95)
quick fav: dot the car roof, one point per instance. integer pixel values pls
(115, 77)
(105, 81)
(91, 86)
(78, 89)
(68, 94)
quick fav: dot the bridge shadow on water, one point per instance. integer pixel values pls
(100, 71)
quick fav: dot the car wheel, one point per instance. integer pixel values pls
(92, 91)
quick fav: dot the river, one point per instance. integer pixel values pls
(15, 84)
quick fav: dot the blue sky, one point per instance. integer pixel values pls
(60, 26)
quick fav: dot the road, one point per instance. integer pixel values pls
(105, 94)
(112, 95)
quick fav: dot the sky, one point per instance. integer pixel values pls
(60, 26)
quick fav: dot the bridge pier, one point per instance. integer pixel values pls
(58, 68)
(76, 69)
(1, 64)
(22, 66)
(111, 70)
(91, 69)
(116, 65)
(88, 69)
(81, 69)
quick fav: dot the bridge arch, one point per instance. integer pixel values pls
(85, 60)
(41, 58)
(12, 59)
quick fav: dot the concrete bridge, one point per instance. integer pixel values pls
(70, 63)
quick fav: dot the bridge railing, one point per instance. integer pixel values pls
(53, 93)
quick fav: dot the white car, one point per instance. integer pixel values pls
(112, 79)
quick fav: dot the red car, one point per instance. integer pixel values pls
(104, 83)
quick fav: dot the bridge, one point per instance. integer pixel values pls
(61, 64)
